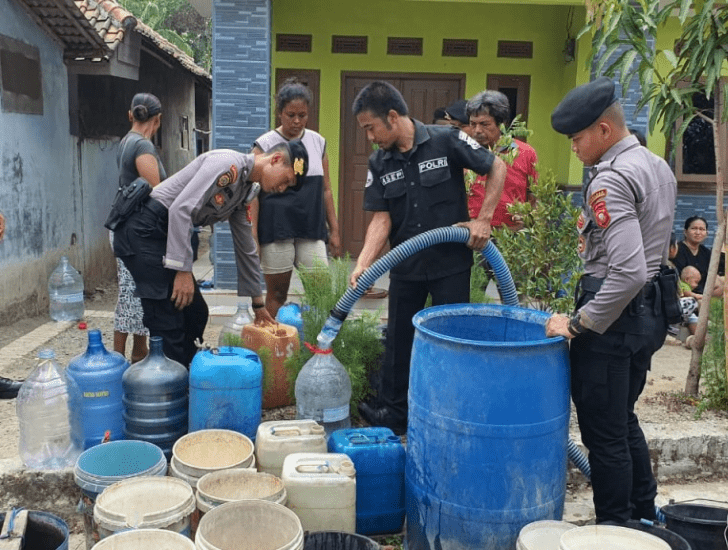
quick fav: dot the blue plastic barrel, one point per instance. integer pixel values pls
(96, 400)
(44, 531)
(290, 314)
(488, 426)
(378, 456)
(226, 391)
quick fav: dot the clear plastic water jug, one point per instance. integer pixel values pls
(43, 415)
(65, 290)
(231, 333)
(323, 392)
(155, 399)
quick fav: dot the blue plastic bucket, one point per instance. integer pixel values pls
(44, 531)
(488, 426)
(103, 465)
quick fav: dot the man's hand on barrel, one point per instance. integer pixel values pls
(558, 325)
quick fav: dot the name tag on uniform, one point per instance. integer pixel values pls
(433, 164)
(467, 139)
(392, 176)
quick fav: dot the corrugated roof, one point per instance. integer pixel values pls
(91, 29)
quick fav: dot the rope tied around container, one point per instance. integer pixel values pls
(316, 350)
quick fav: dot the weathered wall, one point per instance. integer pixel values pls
(41, 204)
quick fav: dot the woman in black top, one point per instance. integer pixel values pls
(137, 156)
(691, 251)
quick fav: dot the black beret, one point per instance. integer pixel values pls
(299, 160)
(456, 111)
(582, 106)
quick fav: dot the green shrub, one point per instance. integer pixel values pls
(712, 369)
(357, 346)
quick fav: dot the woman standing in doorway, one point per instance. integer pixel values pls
(292, 228)
(137, 157)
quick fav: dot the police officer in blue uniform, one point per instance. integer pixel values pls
(619, 321)
(415, 183)
(154, 243)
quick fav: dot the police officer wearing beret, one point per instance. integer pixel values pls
(414, 184)
(154, 243)
(619, 322)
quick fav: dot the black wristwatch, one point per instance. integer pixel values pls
(258, 306)
(575, 327)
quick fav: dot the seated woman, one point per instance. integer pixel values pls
(692, 252)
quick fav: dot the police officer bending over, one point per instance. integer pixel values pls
(154, 243)
(619, 322)
(415, 183)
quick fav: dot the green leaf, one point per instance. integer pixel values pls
(684, 126)
(684, 7)
(605, 57)
(625, 68)
(671, 57)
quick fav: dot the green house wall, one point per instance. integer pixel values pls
(544, 25)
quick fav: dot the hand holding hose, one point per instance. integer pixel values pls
(480, 231)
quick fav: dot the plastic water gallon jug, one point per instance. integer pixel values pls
(155, 399)
(96, 402)
(321, 490)
(65, 290)
(226, 390)
(378, 456)
(43, 415)
(277, 439)
(274, 344)
(290, 314)
(232, 331)
(323, 392)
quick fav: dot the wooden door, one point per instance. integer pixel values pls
(423, 94)
(516, 88)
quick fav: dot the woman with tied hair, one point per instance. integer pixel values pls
(137, 156)
(292, 228)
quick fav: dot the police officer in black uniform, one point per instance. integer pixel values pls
(619, 322)
(415, 183)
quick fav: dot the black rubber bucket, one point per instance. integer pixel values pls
(44, 531)
(335, 540)
(701, 525)
(675, 541)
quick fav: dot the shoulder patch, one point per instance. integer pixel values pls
(597, 196)
(580, 221)
(467, 139)
(599, 206)
(226, 178)
(370, 178)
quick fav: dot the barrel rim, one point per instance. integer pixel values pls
(670, 511)
(482, 310)
(202, 470)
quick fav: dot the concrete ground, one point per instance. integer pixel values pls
(689, 455)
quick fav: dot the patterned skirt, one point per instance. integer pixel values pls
(128, 313)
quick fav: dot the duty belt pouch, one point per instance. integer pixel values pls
(667, 279)
(128, 199)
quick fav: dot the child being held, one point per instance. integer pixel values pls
(689, 300)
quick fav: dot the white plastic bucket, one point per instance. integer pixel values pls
(542, 535)
(199, 453)
(276, 439)
(237, 484)
(145, 502)
(174, 471)
(321, 490)
(249, 525)
(140, 539)
(610, 537)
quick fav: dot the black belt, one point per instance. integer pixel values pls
(588, 283)
(155, 206)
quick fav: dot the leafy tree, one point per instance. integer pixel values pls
(178, 22)
(669, 80)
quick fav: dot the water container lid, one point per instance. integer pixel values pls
(610, 537)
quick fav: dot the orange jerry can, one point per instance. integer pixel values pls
(282, 342)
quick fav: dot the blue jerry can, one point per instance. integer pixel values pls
(378, 456)
(226, 390)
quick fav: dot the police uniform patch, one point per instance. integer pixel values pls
(596, 196)
(601, 214)
(580, 221)
(582, 244)
(370, 178)
(231, 176)
(467, 139)
(219, 199)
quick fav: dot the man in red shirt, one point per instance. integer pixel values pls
(487, 111)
